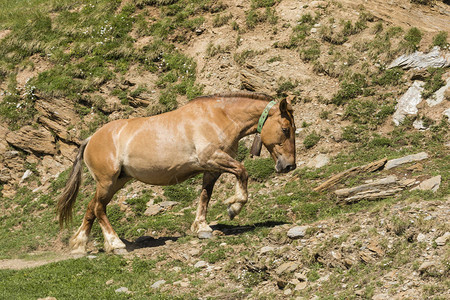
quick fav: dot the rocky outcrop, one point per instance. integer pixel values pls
(420, 60)
(376, 189)
(31, 140)
(407, 104)
(405, 159)
(58, 116)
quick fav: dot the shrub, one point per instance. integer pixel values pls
(311, 51)
(221, 20)
(412, 39)
(311, 140)
(440, 39)
(353, 133)
(389, 77)
(259, 169)
(433, 82)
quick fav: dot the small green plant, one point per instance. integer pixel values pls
(311, 51)
(324, 114)
(285, 86)
(221, 20)
(259, 169)
(433, 82)
(274, 59)
(354, 133)
(440, 39)
(389, 77)
(412, 39)
(311, 140)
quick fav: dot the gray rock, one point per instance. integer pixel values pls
(421, 237)
(158, 284)
(406, 159)
(442, 240)
(447, 113)
(430, 184)
(201, 264)
(378, 189)
(419, 60)
(297, 232)
(439, 95)
(153, 210)
(286, 267)
(418, 124)
(168, 204)
(318, 161)
(407, 104)
(426, 266)
(266, 249)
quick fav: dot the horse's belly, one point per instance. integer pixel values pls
(161, 175)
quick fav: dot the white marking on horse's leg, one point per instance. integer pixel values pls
(78, 241)
(237, 201)
(113, 243)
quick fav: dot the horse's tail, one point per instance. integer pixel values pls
(70, 192)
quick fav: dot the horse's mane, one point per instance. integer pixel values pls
(248, 95)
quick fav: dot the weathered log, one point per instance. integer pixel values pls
(376, 165)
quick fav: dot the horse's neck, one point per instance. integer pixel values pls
(246, 115)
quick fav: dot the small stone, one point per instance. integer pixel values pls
(442, 240)
(426, 266)
(301, 286)
(286, 267)
(297, 232)
(421, 237)
(153, 210)
(266, 249)
(287, 292)
(123, 290)
(167, 204)
(430, 184)
(91, 256)
(176, 269)
(109, 282)
(201, 264)
(301, 276)
(158, 284)
(318, 161)
(381, 297)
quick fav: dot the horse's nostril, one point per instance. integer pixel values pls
(292, 167)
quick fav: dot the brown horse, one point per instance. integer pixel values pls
(200, 137)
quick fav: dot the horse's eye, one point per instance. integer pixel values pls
(285, 130)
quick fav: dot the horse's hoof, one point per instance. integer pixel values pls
(231, 213)
(120, 251)
(80, 251)
(204, 234)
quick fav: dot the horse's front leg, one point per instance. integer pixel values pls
(238, 200)
(200, 226)
(223, 162)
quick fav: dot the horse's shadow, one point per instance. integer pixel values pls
(220, 229)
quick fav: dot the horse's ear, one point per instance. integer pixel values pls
(283, 106)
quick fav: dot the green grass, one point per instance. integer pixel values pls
(81, 278)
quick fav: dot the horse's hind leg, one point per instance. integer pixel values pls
(97, 209)
(200, 226)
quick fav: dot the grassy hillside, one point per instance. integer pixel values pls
(67, 67)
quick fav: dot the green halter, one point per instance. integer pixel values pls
(264, 115)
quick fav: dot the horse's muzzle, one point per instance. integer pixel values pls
(282, 167)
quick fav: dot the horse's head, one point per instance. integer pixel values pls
(278, 136)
